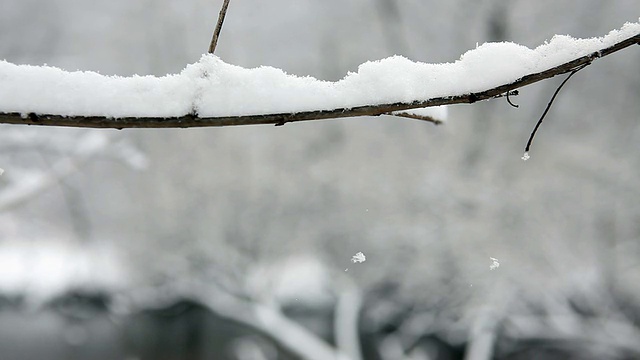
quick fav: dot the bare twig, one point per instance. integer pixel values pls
(191, 120)
(546, 110)
(509, 101)
(416, 116)
(216, 32)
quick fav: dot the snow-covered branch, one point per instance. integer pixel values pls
(213, 93)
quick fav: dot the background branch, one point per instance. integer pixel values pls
(24, 190)
(282, 118)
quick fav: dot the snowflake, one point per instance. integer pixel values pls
(358, 258)
(525, 157)
(494, 263)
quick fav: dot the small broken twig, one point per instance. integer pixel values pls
(509, 101)
(216, 32)
(415, 116)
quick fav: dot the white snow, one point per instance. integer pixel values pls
(494, 263)
(358, 258)
(294, 279)
(46, 269)
(214, 88)
(435, 112)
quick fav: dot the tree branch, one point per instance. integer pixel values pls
(191, 120)
(268, 320)
(216, 32)
(346, 321)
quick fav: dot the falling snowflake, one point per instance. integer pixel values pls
(494, 263)
(525, 157)
(358, 258)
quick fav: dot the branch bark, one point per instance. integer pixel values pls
(191, 120)
(216, 32)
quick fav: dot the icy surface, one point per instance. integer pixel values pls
(213, 88)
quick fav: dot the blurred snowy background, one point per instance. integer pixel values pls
(237, 243)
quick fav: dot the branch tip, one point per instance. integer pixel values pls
(216, 32)
(546, 110)
(509, 100)
(403, 114)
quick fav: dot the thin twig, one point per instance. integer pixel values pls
(417, 117)
(509, 101)
(546, 110)
(216, 32)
